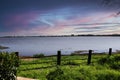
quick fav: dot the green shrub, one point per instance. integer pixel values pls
(8, 66)
(106, 60)
(117, 58)
(73, 54)
(59, 74)
(111, 61)
(56, 75)
(87, 72)
(115, 65)
(68, 74)
(38, 55)
(108, 75)
(71, 63)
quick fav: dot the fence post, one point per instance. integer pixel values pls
(17, 55)
(17, 62)
(89, 57)
(110, 51)
(58, 57)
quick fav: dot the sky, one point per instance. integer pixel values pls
(57, 17)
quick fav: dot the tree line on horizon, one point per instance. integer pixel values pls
(72, 35)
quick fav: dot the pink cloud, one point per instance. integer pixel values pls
(19, 22)
(20, 19)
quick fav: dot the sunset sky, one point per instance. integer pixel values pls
(57, 17)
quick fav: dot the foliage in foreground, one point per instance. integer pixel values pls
(112, 61)
(83, 73)
(103, 67)
(104, 70)
(8, 66)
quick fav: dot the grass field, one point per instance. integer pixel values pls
(102, 67)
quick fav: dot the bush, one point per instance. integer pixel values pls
(92, 73)
(55, 75)
(38, 55)
(115, 66)
(8, 66)
(117, 58)
(71, 63)
(111, 61)
(69, 74)
(59, 74)
(73, 54)
(87, 73)
(108, 75)
(106, 60)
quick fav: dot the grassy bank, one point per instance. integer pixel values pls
(103, 67)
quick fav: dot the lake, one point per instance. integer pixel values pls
(27, 46)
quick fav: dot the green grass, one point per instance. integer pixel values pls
(102, 67)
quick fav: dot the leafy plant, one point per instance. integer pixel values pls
(8, 66)
(117, 58)
(55, 75)
(106, 60)
(112, 61)
(108, 75)
(71, 63)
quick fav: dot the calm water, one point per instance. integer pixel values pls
(50, 45)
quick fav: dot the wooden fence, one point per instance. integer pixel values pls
(59, 56)
(89, 56)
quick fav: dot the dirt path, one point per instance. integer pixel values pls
(22, 78)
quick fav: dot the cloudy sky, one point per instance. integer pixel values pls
(57, 17)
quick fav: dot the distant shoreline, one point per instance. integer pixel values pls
(113, 35)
